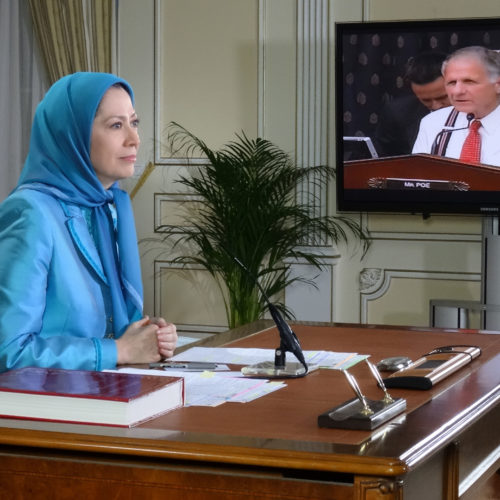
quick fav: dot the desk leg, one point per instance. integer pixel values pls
(451, 465)
(368, 488)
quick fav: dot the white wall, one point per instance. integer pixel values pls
(229, 65)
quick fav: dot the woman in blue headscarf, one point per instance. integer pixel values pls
(70, 281)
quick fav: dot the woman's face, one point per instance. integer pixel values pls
(115, 140)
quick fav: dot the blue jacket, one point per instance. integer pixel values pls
(52, 287)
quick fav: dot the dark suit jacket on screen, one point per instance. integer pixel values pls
(398, 126)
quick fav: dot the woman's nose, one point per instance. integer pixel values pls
(133, 137)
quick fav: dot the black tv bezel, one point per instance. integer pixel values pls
(404, 202)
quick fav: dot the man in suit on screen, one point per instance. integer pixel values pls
(472, 82)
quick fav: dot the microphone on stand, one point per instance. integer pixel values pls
(449, 130)
(288, 342)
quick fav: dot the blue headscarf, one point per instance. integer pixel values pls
(58, 163)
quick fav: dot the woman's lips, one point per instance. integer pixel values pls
(130, 158)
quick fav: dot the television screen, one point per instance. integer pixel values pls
(387, 79)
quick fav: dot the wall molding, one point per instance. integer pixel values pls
(374, 283)
(160, 266)
(313, 67)
(161, 199)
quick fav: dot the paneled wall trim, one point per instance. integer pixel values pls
(375, 283)
(204, 311)
(270, 72)
(313, 63)
(170, 211)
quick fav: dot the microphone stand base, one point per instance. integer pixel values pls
(267, 369)
(352, 414)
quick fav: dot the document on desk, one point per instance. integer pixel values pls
(214, 388)
(250, 356)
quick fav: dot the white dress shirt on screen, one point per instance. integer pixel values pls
(433, 123)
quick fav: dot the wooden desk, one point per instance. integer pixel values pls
(272, 448)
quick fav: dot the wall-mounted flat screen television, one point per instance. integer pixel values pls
(384, 87)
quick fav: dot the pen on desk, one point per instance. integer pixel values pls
(184, 365)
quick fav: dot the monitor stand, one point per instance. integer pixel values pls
(455, 313)
(490, 272)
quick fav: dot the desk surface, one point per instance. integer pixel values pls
(281, 428)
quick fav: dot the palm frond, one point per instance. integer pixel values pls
(249, 209)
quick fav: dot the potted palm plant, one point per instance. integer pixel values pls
(249, 216)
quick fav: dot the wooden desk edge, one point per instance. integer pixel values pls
(186, 451)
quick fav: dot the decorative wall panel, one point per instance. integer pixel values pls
(402, 297)
(189, 294)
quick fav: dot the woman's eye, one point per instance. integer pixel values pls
(135, 123)
(116, 125)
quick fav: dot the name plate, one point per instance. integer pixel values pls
(416, 184)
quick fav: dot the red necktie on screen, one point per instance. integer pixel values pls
(471, 150)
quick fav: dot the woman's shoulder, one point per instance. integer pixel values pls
(30, 202)
(28, 196)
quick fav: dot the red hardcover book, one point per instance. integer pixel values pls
(87, 397)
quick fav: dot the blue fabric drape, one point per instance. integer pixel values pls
(59, 164)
